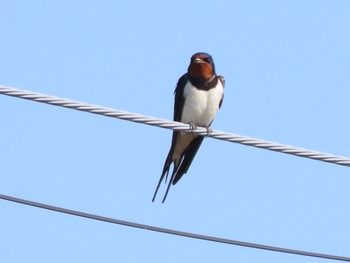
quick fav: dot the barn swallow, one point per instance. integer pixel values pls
(198, 96)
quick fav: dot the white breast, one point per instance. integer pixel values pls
(201, 106)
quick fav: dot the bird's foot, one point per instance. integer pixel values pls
(193, 127)
(209, 131)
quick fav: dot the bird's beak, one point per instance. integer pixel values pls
(198, 60)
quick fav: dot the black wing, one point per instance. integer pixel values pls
(178, 106)
(222, 80)
(179, 97)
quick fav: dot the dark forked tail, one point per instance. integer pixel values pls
(180, 166)
(187, 158)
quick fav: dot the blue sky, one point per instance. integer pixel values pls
(286, 65)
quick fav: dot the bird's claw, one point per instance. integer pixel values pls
(209, 131)
(193, 127)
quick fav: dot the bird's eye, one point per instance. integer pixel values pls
(208, 60)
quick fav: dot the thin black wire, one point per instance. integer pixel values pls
(170, 231)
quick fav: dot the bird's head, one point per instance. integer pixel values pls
(201, 67)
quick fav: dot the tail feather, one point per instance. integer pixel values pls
(181, 163)
(169, 184)
(187, 159)
(164, 173)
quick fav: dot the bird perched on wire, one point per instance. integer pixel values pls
(198, 96)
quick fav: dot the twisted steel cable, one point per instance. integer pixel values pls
(177, 126)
